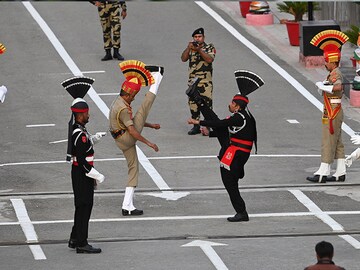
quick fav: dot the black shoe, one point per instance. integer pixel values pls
(135, 212)
(155, 69)
(334, 179)
(195, 130)
(239, 217)
(72, 243)
(88, 249)
(107, 55)
(316, 177)
(117, 55)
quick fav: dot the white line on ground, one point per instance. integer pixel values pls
(283, 73)
(164, 218)
(61, 141)
(40, 125)
(94, 71)
(28, 228)
(334, 225)
(152, 158)
(293, 121)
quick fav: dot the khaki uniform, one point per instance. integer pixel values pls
(332, 146)
(109, 13)
(121, 119)
(199, 68)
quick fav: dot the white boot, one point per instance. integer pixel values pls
(340, 172)
(128, 207)
(128, 199)
(157, 77)
(320, 174)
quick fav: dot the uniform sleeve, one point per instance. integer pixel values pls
(125, 118)
(335, 78)
(211, 50)
(234, 120)
(82, 146)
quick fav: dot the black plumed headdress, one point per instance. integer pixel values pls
(247, 81)
(77, 87)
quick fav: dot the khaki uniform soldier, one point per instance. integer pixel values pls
(200, 56)
(126, 127)
(3, 89)
(332, 148)
(109, 12)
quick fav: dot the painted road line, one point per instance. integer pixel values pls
(40, 125)
(153, 158)
(77, 72)
(207, 248)
(282, 72)
(293, 121)
(61, 141)
(28, 228)
(325, 217)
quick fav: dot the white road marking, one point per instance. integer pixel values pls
(283, 73)
(77, 72)
(165, 218)
(92, 72)
(293, 121)
(61, 141)
(28, 228)
(206, 247)
(40, 125)
(151, 158)
(334, 225)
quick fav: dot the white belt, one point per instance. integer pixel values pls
(335, 100)
(88, 159)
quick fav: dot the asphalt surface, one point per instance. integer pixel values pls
(180, 190)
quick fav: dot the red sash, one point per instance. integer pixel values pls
(332, 113)
(241, 145)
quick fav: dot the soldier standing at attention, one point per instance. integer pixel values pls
(109, 12)
(83, 174)
(200, 56)
(332, 147)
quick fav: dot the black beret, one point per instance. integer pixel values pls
(198, 31)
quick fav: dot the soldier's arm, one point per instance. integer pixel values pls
(154, 126)
(82, 145)
(207, 57)
(137, 136)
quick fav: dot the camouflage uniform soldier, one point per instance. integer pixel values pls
(200, 56)
(109, 12)
(332, 147)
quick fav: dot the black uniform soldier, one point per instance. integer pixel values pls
(236, 135)
(83, 174)
(109, 12)
(200, 56)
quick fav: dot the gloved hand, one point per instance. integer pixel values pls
(98, 135)
(323, 87)
(354, 156)
(96, 175)
(355, 139)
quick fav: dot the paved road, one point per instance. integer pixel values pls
(184, 226)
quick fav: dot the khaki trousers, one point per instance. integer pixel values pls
(332, 146)
(127, 143)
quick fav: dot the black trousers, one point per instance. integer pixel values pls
(230, 178)
(83, 188)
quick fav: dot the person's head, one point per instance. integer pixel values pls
(239, 102)
(129, 89)
(330, 66)
(324, 250)
(80, 109)
(198, 35)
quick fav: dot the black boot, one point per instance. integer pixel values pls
(88, 249)
(195, 130)
(316, 178)
(243, 216)
(117, 55)
(107, 55)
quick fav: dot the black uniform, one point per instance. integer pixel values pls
(236, 135)
(83, 186)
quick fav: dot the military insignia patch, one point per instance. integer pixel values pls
(83, 138)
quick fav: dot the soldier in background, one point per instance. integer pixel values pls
(324, 254)
(109, 12)
(200, 56)
(332, 147)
